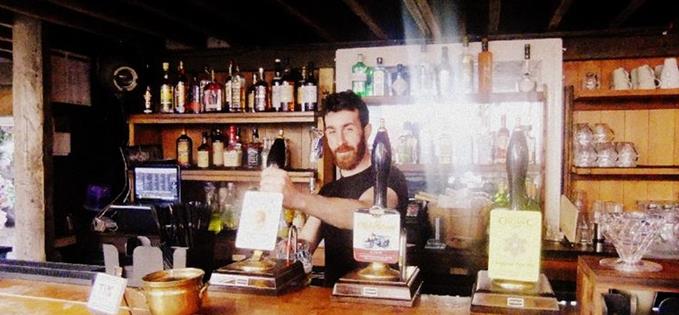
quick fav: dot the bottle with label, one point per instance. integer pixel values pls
(217, 148)
(203, 81)
(288, 89)
(423, 82)
(483, 144)
(380, 79)
(147, 101)
(276, 86)
(237, 92)
(501, 142)
(250, 95)
(261, 93)
(233, 154)
(526, 83)
(485, 69)
(277, 153)
(444, 74)
(308, 89)
(203, 154)
(230, 207)
(212, 95)
(253, 151)
(400, 86)
(466, 73)
(227, 87)
(184, 150)
(181, 88)
(166, 88)
(195, 94)
(359, 76)
(266, 147)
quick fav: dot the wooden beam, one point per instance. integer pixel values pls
(307, 21)
(6, 55)
(31, 141)
(632, 7)
(415, 12)
(560, 11)
(367, 19)
(430, 19)
(494, 9)
(105, 11)
(5, 34)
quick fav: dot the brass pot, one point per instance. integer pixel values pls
(174, 291)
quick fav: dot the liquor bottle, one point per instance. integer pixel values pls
(180, 89)
(288, 89)
(359, 76)
(422, 83)
(266, 147)
(227, 87)
(212, 95)
(147, 101)
(380, 79)
(483, 144)
(399, 87)
(195, 94)
(261, 93)
(250, 95)
(526, 83)
(445, 74)
(466, 73)
(203, 154)
(276, 86)
(277, 152)
(184, 150)
(233, 155)
(308, 90)
(501, 142)
(237, 92)
(203, 81)
(217, 148)
(485, 69)
(166, 90)
(253, 151)
(230, 208)
(298, 87)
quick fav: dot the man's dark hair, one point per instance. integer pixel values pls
(346, 100)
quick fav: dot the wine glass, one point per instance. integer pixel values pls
(631, 233)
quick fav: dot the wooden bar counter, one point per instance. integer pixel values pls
(36, 297)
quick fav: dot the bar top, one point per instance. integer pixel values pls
(35, 297)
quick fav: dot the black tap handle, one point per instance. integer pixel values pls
(381, 162)
(517, 167)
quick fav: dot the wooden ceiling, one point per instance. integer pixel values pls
(197, 24)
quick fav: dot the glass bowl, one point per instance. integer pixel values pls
(631, 233)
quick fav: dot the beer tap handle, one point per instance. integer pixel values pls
(381, 162)
(517, 167)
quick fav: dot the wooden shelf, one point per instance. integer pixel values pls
(641, 172)
(604, 95)
(469, 98)
(223, 118)
(493, 168)
(297, 176)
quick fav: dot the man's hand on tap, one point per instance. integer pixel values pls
(274, 179)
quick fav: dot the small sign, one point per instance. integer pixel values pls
(259, 220)
(516, 302)
(514, 245)
(106, 294)
(376, 237)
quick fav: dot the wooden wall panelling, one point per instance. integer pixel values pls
(661, 130)
(5, 100)
(610, 190)
(633, 191)
(636, 131)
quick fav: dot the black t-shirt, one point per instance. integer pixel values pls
(339, 255)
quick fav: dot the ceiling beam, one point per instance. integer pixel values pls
(558, 15)
(367, 19)
(307, 21)
(103, 10)
(430, 19)
(632, 7)
(5, 33)
(415, 12)
(494, 9)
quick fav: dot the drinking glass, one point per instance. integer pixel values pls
(606, 154)
(584, 155)
(627, 154)
(631, 233)
(583, 134)
(601, 133)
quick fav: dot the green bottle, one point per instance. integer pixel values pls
(359, 76)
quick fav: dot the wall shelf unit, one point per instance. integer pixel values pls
(506, 97)
(240, 175)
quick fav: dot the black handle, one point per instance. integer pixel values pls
(517, 167)
(381, 162)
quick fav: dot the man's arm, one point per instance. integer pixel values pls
(334, 211)
(311, 232)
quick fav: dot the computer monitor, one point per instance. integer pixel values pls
(157, 184)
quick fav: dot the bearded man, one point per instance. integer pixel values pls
(347, 130)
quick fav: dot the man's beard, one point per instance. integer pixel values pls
(350, 156)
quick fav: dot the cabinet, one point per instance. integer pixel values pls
(648, 118)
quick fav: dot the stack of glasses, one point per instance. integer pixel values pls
(593, 147)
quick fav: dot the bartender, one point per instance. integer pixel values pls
(347, 130)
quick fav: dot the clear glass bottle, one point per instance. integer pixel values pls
(423, 82)
(261, 93)
(203, 154)
(526, 82)
(237, 92)
(181, 88)
(266, 147)
(380, 79)
(466, 73)
(359, 76)
(203, 81)
(212, 95)
(217, 148)
(400, 86)
(166, 88)
(276, 86)
(501, 142)
(184, 150)
(445, 74)
(288, 89)
(227, 87)
(233, 154)
(307, 92)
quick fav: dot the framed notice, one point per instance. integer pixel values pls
(376, 237)
(106, 294)
(259, 220)
(514, 245)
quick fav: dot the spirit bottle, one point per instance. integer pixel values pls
(526, 83)
(380, 79)
(253, 151)
(181, 88)
(184, 150)
(466, 73)
(277, 153)
(233, 155)
(288, 89)
(147, 101)
(195, 94)
(501, 142)
(250, 95)
(217, 148)
(203, 81)
(166, 90)
(237, 92)
(423, 82)
(485, 69)
(307, 92)
(400, 85)
(212, 95)
(261, 93)
(445, 74)
(203, 160)
(227, 87)
(276, 86)
(359, 76)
